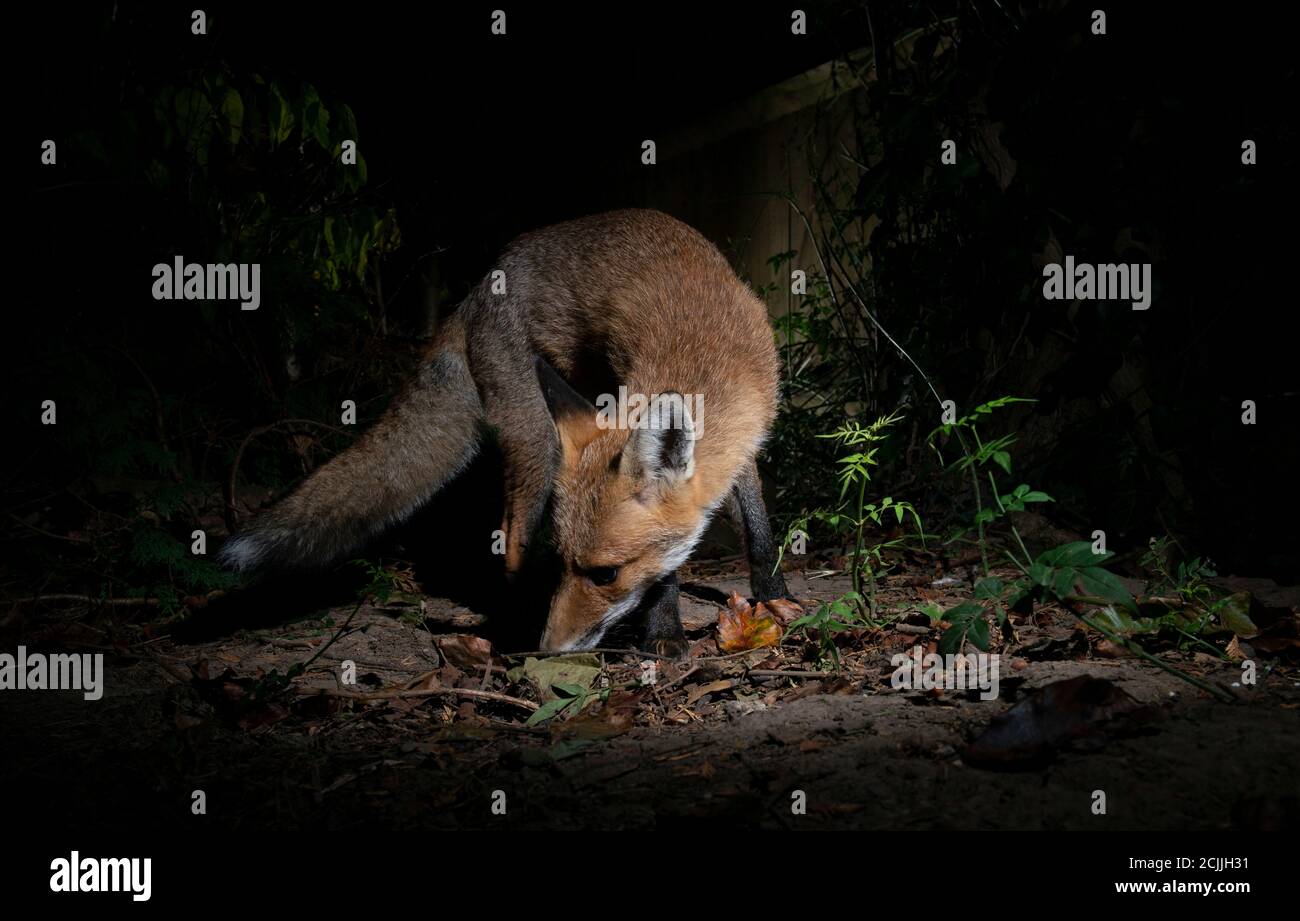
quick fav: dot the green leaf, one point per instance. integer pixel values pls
(547, 710)
(1121, 623)
(950, 642)
(1234, 615)
(280, 124)
(1105, 584)
(232, 109)
(1063, 582)
(1003, 460)
(315, 117)
(345, 124)
(569, 675)
(1077, 553)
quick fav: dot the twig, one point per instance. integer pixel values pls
(679, 679)
(74, 540)
(781, 673)
(401, 693)
(541, 654)
(87, 599)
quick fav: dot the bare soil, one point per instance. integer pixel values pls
(715, 740)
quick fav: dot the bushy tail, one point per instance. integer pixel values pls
(427, 436)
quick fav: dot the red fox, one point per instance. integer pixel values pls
(632, 299)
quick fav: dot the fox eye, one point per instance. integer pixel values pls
(602, 575)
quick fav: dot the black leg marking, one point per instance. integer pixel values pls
(663, 623)
(748, 514)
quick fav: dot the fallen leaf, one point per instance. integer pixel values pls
(740, 627)
(1108, 650)
(783, 610)
(593, 727)
(710, 688)
(465, 650)
(580, 669)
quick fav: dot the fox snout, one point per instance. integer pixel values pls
(580, 616)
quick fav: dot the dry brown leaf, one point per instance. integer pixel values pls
(465, 650)
(700, 690)
(740, 627)
(783, 610)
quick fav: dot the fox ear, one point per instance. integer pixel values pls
(662, 445)
(575, 417)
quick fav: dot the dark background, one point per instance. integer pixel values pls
(471, 139)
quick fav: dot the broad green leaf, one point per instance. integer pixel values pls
(547, 710)
(1063, 582)
(1077, 553)
(1234, 615)
(564, 672)
(345, 123)
(232, 109)
(281, 118)
(1105, 584)
(315, 117)
(1121, 623)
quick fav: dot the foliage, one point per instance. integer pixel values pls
(215, 162)
(922, 277)
(853, 514)
(980, 456)
(822, 625)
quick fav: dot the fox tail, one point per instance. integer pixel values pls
(428, 435)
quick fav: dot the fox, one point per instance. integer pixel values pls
(634, 301)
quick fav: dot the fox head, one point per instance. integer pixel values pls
(627, 509)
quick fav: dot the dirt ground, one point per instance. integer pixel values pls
(433, 735)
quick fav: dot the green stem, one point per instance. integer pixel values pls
(979, 500)
(1003, 509)
(871, 582)
(857, 548)
(1137, 650)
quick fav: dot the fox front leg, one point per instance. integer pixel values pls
(749, 517)
(663, 625)
(515, 409)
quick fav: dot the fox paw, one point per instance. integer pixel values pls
(673, 648)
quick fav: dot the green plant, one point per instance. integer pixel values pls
(983, 457)
(570, 699)
(830, 619)
(853, 514)
(1189, 579)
